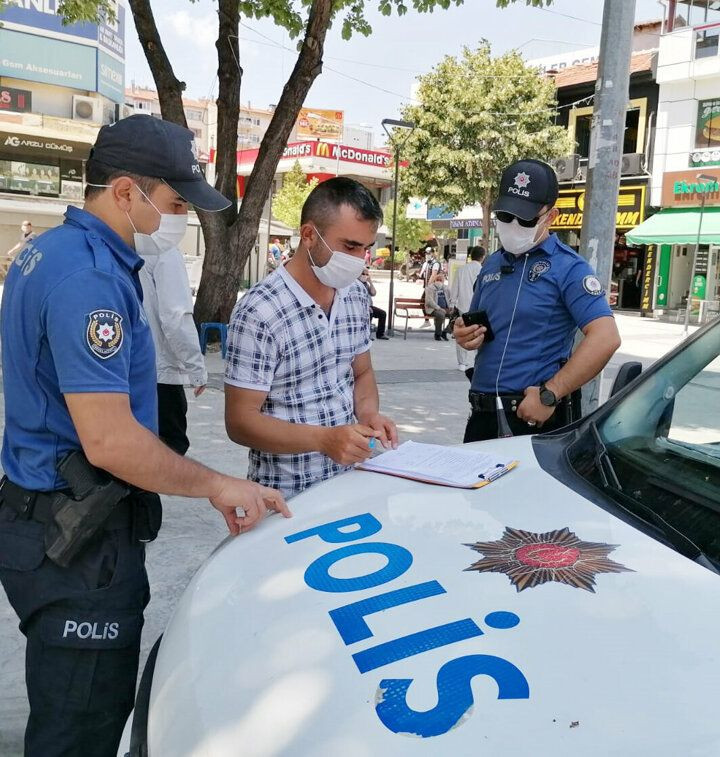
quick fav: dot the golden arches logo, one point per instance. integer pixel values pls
(323, 150)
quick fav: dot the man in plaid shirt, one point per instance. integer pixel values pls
(300, 388)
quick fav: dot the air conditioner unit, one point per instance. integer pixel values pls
(633, 163)
(121, 111)
(566, 168)
(88, 109)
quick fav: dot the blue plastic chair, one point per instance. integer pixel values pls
(221, 328)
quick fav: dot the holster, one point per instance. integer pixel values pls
(75, 520)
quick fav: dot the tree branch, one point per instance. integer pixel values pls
(169, 88)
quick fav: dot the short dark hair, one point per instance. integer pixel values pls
(325, 200)
(477, 252)
(99, 173)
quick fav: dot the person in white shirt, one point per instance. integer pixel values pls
(168, 306)
(461, 293)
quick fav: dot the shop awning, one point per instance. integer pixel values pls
(678, 226)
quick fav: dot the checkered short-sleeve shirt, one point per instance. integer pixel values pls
(280, 341)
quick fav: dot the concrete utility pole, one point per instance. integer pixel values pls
(597, 239)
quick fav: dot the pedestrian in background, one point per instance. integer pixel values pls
(461, 293)
(300, 389)
(537, 292)
(430, 267)
(437, 304)
(81, 449)
(375, 312)
(26, 235)
(178, 359)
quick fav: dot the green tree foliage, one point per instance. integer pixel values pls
(288, 202)
(411, 232)
(477, 114)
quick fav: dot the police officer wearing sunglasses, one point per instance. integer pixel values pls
(536, 292)
(81, 454)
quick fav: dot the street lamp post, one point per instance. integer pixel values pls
(410, 127)
(707, 178)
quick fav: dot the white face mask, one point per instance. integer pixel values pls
(168, 234)
(340, 271)
(518, 239)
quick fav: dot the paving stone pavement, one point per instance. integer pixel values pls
(420, 388)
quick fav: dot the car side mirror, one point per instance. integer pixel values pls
(628, 372)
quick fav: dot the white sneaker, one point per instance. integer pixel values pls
(462, 367)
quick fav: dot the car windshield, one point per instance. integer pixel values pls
(656, 453)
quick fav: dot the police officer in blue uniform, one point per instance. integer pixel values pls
(536, 292)
(80, 452)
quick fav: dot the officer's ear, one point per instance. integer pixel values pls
(553, 213)
(122, 193)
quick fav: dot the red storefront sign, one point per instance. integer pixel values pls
(329, 150)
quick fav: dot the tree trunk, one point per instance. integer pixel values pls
(217, 227)
(487, 222)
(226, 253)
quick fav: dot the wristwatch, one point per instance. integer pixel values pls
(547, 396)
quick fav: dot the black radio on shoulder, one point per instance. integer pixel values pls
(507, 269)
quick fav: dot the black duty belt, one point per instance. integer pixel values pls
(485, 403)
(36, 505)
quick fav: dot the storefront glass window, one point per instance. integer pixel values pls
(29, 178)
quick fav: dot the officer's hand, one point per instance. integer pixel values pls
(531, 410)
(198, 390)
(254, 500)
(468, 337)
(347, 445)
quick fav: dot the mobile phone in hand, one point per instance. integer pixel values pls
(479, 318)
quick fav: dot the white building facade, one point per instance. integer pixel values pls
(687, 148)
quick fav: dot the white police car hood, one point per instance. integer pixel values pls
(518, 619)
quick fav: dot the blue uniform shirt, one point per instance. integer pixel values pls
(72, 322)
(559, 295)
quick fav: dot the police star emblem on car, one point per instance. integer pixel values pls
(531, 559)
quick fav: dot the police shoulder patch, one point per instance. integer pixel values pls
(592, 285)
(104, 333)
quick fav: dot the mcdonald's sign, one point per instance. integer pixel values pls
(322, 150)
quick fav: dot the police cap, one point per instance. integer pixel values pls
(526, 187)
(149, 146)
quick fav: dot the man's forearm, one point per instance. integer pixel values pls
(365, 396)
(137, 456)
(590, 357)
(268, 434)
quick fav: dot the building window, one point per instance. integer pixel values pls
(706, 42)
(143, 105)
(580, 126)
(193, 115)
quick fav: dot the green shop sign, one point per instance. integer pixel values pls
(695, 187)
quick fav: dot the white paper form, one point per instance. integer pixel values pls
(451, 465)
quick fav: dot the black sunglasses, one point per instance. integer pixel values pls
(505, 217)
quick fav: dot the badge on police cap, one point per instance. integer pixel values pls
(104, 333)
(592, 285)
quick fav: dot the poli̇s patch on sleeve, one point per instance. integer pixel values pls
(592, 285)
(104, 333)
